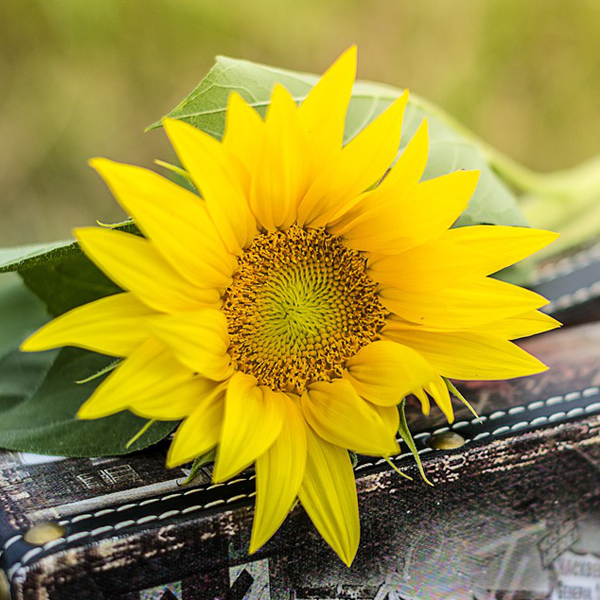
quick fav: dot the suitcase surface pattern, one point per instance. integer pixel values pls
(514, 511)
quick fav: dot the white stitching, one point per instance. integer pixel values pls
(31, 553)
(12, 570)
(146, 519)
(80, 518)
(500, 430)
(11, 541)
(567, 265)
(171, 496)
(99, 530)
(126, 506)
(238, 497)
(168, 514)
(557, 416)
(53, 543)
(497, 415)
(552, 400)
(571, 299)
(149, 501)
(441, 430)
(105, 511)
(519, 425)
(535, 405)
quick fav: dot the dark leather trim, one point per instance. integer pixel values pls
(205, 500)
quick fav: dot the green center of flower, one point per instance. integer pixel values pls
(300, 305)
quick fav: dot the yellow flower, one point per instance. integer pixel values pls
(285, 315)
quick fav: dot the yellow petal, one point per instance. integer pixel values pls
(134, 263)
(279, 473)
(438, 390)
(150, 383)
(328, 494)
(429, 267)
(423, 398)
(253, 420)
(468, 355)
(198, 340)
(397, 219)
(323, 111)
(339, 415)
(176, 221)
(384, 372)
(360, 164)
(501, 246)
(390, 416)
(217, 174)
(244, 132)
(402, 178)
(281, 174)
(111, 325)
(513, 328)
(410, 166)
(200, 432)
(472, 302)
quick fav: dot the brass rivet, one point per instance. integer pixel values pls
(4, 586)
(446, 441)
(42, 533)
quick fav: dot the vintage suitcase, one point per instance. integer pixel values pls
(514, 512)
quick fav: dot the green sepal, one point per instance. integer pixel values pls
(454, 391)
(406, 435)
(389, 462)
(198, 464)
(139, 434)
(180, 173)
(113, 365)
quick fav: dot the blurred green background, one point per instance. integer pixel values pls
(83, 78)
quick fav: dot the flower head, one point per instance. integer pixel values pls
(285, 313)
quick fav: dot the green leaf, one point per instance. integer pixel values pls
(60, 274)
(39, 400)
(39, 396)
(13, 259)
(20, 258)
(67, 280)
(21, 313)
(451, 147)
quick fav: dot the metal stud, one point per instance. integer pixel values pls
(448, 440)
(42, 533)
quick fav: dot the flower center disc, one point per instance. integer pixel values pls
(300, 305)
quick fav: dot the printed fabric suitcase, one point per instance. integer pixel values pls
(514, 512)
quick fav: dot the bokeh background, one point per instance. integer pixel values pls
(83, 78)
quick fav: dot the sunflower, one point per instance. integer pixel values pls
(284, 311)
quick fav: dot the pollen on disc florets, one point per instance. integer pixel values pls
(300, 305)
